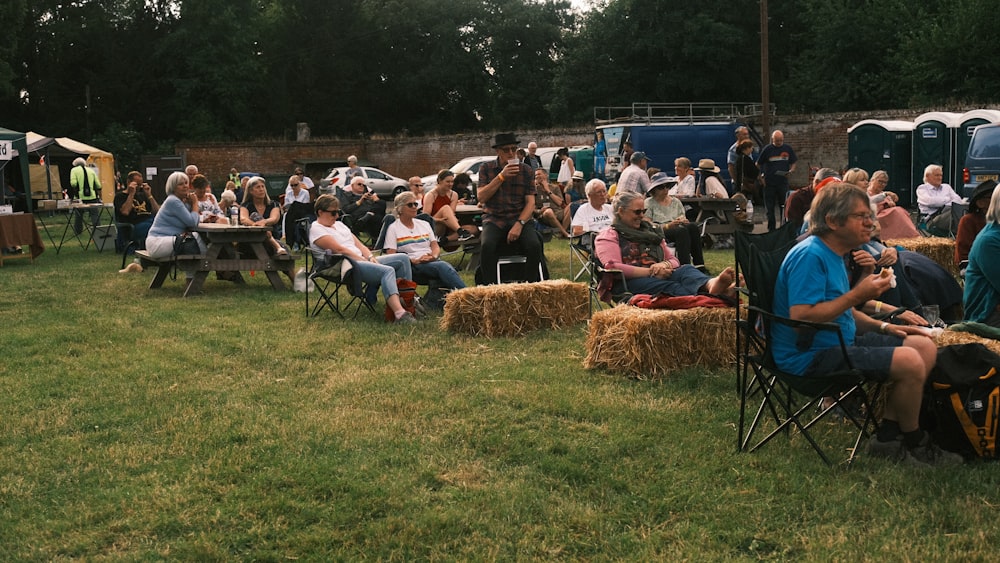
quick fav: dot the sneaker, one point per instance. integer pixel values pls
(931, 454)
(464, 235)
(893, 451)
(406, 319)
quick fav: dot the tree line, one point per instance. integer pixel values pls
(136, 76)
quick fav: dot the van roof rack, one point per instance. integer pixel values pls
(647, 112)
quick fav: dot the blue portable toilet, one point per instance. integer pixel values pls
(874, 144)
(934, 143)
(968, 121)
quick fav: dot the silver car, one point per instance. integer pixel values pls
(469, 165)
(382, 183)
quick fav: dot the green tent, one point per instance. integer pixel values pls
(14, 165)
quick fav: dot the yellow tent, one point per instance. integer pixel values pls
(66, 149)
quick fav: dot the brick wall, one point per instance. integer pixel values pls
(818, 139)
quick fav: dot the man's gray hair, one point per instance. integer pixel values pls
(834, 203)
(593, 185)
(79, 161)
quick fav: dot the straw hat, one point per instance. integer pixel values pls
(707, 165)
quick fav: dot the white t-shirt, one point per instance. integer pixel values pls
(684, 188)
(415, 242)
(341, 235)
(714, 188)
(593, 220)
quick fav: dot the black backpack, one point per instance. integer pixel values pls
(962, 402)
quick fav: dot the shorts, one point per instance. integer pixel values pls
(871, 354)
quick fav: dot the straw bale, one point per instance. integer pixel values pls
(949, 337)
(652, 343)
(513, 309)
(938, 249)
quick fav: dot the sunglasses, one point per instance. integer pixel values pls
(639, 211)
(413, 204)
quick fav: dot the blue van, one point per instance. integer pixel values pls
(666, 132)
(982, 162)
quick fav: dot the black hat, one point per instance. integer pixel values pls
(505, 139)
(984, 189)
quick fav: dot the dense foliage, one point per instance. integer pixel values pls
(144, 73)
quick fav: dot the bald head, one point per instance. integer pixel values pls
(191, 170)
(777, 138)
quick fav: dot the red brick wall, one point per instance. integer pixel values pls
(818, 139)
(403, 157)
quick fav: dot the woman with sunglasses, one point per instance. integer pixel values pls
(327, 235)
(414, 238)
(638, 249)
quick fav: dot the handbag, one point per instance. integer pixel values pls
(185, 244)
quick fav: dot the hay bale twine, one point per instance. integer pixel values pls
(513, 309)
(651, 343)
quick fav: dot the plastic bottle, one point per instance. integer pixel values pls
(234, 215)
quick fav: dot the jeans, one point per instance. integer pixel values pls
(385, 272)
(494, 238)
(442, 271)
(95, 216)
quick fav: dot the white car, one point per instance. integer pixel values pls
(468, 165)
(385, 185)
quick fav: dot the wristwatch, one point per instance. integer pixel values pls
(522, 222)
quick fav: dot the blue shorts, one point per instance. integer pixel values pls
(871, 354)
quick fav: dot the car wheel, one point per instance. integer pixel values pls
(398, 190)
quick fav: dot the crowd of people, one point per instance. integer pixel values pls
(637, 226)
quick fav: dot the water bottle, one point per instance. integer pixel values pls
(749, 211)
(234, 215)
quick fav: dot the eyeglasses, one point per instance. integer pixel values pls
(862, 216)
(413, 204)
(638, 211)
(295, 185)
(334, 212)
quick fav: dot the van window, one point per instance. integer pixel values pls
(986, 143)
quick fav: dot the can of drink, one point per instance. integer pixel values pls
(234, 215)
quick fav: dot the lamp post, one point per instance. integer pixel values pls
(765, 81)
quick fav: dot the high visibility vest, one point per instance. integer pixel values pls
(85, 181)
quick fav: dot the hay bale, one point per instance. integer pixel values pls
(949, 337)
(513, 309)
(938, 249)
(651, 343)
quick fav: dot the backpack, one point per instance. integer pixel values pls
(963, 400)
(407, 298)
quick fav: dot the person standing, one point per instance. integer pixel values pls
(600, 156)
(776, 161)
(566, 169)
(733, 156)
(86, 187)
(532, 159)
(507, 195)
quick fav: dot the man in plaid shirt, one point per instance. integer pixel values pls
(507, 195)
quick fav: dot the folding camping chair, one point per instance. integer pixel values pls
(580, 249)
(786, 401)
(328, 277)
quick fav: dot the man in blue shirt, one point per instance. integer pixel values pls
(776, 162)
(813, 285)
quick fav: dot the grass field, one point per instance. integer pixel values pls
(138, 425)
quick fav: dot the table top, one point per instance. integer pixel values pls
(227, 228)
(468, 209)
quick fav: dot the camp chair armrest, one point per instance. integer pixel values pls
(797, 324)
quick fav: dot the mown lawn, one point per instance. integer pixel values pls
(139, 425)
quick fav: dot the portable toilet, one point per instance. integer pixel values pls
(883, 145)
(968, 121)
(934, 143)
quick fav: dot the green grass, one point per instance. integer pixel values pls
(139, 425)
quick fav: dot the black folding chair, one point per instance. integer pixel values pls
(772, 401)
(328, 277)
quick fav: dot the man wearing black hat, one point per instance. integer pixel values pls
(507, 195)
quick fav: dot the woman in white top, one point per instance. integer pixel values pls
(685, 178)
(327, 235)
(566, 169)
(415, 239)
(295, 191)
(711, 184)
